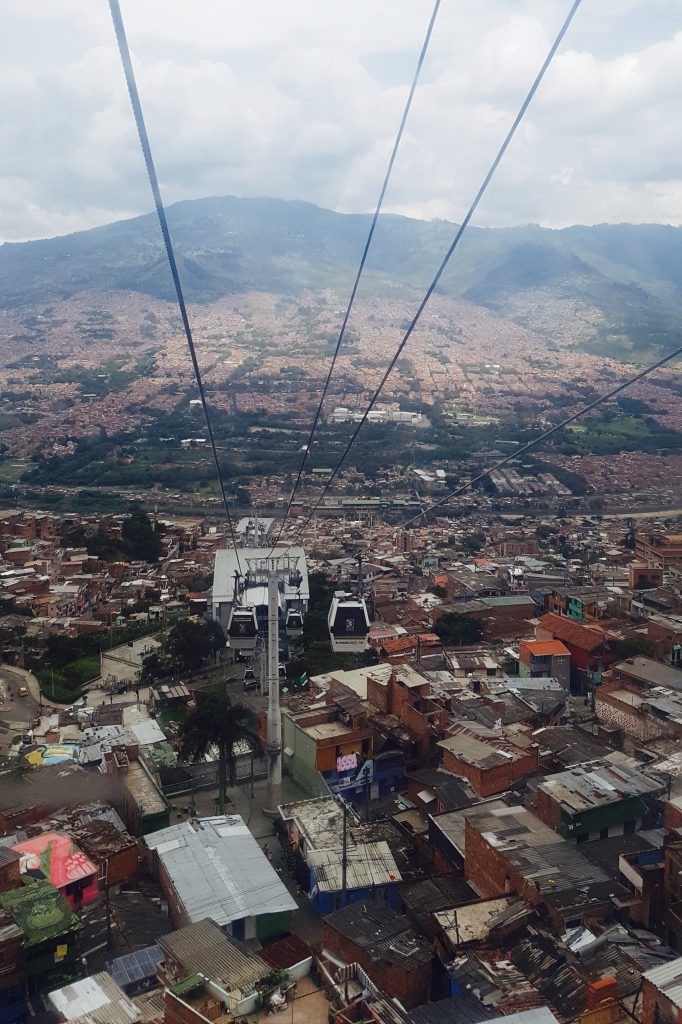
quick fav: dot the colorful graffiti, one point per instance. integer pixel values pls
(52, 753)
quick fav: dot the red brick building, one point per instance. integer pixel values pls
(508, 849)
(10, 874)
(545, 658)
(114, 853)
(488, 758)
(663, 549)
(587, 645)
(382, 942)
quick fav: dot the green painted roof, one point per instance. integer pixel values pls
(187, 984)
(41, 911)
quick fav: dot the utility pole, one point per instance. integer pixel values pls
(344, 855)
(274, 745)
(108, 910)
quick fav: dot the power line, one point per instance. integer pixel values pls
(131, 82)
(446, 259)
(547, 433)
(363, 260)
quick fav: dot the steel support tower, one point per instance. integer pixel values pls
(271, 571)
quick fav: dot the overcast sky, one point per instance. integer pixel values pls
(301, 99)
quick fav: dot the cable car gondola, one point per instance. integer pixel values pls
(294, 622)
(242, 629)
(348, 623)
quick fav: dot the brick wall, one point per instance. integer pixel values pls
(176, 907)
(664, 639)
(15, 818)
(548, 810)
(488, 870)
(484, 866)
(653, 999)
(10, 876)
(377, 694)
(672, 816)
(495, 779)
(179, 1012)
(623, 716)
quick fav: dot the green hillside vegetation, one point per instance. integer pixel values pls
(611, 433)
(631, 275)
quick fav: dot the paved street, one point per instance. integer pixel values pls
(16, 712)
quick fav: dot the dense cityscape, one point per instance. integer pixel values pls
(341, 516)
(486, 784)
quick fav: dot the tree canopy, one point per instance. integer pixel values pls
(217, 723)
(454, 628)
(141, 537)
(187, 647)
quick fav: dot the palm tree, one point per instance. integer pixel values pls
(217, 722)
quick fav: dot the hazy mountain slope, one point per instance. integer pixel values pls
(627, 277)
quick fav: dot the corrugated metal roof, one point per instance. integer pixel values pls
(543, 1015)
(202, 948)
(668, 979)
(464, 1009)
(367, 866)
(384, 934)
(218, 870)
(95, 1000)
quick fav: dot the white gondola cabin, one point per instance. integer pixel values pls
(242, 630)
(348, 624)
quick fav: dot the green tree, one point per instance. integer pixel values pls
(141, 538)
(217, 722)
(453, 628)
(473, 544)
(189, 645)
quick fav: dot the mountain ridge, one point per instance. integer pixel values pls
(625, 278)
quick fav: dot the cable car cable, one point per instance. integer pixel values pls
(446, 259)
(363, 260)
(131, 82)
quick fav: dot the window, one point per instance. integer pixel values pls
(603, 833)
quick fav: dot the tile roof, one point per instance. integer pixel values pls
(544, 648)
(586, 637)
(8, 856)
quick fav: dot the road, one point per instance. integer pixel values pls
(17, 713)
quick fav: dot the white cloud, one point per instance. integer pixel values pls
(302, 99)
